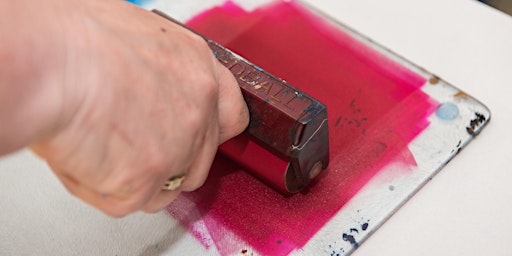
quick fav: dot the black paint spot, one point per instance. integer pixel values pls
(470, 130)
(354, 230)
(279, 241)
(338, 121)
(353, 103)
(458, 148)
(364, 226)
(473, 124)
(350, 239)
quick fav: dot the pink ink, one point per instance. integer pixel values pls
(376, 108)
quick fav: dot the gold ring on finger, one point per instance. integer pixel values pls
(173, 183)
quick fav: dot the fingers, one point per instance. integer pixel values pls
(146, 195)
(121, 194)
(134, 132)
(196, 176)
(199, 169)
(112, 204)
(233, 112)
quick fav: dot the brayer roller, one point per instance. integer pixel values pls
(286, 143)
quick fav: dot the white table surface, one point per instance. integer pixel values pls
(464, 210)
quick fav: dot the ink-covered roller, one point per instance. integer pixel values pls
(286, 144)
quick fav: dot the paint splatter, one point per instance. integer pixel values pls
(375, 106)
(475, 123)
(350, 238)
(447, 111)
(364, 226)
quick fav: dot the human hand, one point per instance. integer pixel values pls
(142, 100)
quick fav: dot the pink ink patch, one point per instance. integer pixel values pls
(375, 106)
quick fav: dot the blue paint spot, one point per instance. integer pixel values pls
(138, 2)
(447, 111)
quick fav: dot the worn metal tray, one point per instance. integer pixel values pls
(456, 119)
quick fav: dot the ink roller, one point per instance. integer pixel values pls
(286, 143)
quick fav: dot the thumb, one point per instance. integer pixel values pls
(233, 112)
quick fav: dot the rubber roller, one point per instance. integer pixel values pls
(286, 144)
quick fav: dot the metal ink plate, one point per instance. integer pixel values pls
(453, 125)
